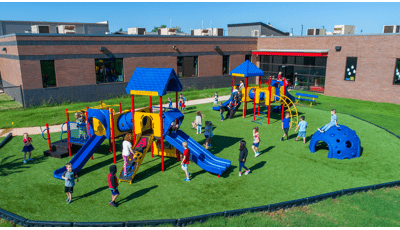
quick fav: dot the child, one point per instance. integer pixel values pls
(330, 124)
(256, 142)
(221, 111)
(174, 126)
(169, 103)
(208, 134)
(182, 104)
(241, 85)
(27, 147)
(216, 98)
(69, 177)
(302, 131)
(113, 185)
(286, 126)
(127, 150)
(185, 160)
(198, 122)
(81, 123)
(242, 158)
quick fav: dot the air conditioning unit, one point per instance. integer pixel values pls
(391, 29)
(316, 31)
(42, 29)
(66, 29)
(255, 33)
(344, 29)
(137, 31)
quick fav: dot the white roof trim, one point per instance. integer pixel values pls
(293, 50)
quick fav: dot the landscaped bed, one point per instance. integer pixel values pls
(284, 171)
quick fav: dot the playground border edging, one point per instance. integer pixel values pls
(202, 218)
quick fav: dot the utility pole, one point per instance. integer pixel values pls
(301, 30)
(211, 29)
(170, 24)
(291, 31)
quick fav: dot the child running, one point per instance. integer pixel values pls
(198, 122)
(208, 134)
(169, 103)
(185, 160)
(242, 158)
(221, 111)
(286, 126)
(302, 131)
(256, 142)
(330, 124)
(127, 151)
(216, 98)
(113, 185)
(69, 177)
(27, 147)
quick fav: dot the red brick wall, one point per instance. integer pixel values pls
(32, 74)
(210, 65)
(10, 71)
(375, 64)
(130, 64)
(73, 72)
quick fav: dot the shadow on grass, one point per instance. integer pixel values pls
(222, 143)
(142, 175)
(229, 171)
(258, 165)
(266, 150)
(91, 193)
(17, 165)
(136, 194)
(95, 167)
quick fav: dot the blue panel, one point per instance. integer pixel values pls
(251, 95)
(103, 117)
(226, 103)
(202, 157)
(82, 156)
(158, 80)
(306, 95)
(248, 69)
(170, 116)
(124, 122)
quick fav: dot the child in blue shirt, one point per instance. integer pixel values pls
(330, 124)
(286, 126)
(169, 103)
(215, 98)
(302, 131)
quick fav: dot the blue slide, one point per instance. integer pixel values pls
(226, 103)
(202, 157)
(82, 156)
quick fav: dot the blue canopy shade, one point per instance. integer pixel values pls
(158, 80)
(247, 69)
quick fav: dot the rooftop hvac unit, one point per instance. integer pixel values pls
(137, 31)
(255, 33)
(66, 29)
(36, 29)
(344, 29)
(391, 29)
(316, 32)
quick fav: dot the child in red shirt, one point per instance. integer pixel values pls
(185, 160)
(113, 185)
(27, 147)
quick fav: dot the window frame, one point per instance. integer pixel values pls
(396, 67)
(227, 64)
(104, 61)
(348, 67)
(42, 74)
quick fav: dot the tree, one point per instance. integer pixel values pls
(120, 29)
(156, 28)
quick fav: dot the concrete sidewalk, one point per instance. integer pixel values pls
(57, 128)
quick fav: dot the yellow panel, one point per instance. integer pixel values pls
(237, 75)
(146, 93)
(155, 121)
(98, 127)
(168, 152)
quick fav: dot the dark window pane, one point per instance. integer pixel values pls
(277, 59)
(317, 71)
(299, 60)
(291, 60)
(309, 60)
(225, 64)
(302, 70)
(109, 70)
(320, 61)
(284, 59)
(187, 66)
(48, 73)
(351, 67)
(248, 57)
(397, 73)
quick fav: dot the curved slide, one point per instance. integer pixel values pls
(202, 157)
(82, 156)
(226, 103)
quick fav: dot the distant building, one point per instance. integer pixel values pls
(208, 32)
(316, 31)
(256, 29)
(12, 27)
(390, 29)
(137, 31)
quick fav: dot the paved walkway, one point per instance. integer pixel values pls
(57, 128)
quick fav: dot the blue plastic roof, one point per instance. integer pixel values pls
(160, 80)
(248, 69)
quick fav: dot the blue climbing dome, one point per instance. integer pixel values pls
(342, 141)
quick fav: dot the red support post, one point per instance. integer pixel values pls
(88, 127)
(233, 83)
(245, 98)
(162, 138)
(269, 98)
(254, 105)
(283, 101)
(152, 149)
(259, 86)
(176, 99)
(101, 104)
(68, 131)
(151, 110)
(133, 120)
(48, 136)
(112, 133)
(120, 108)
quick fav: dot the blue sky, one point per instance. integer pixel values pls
(368, 17)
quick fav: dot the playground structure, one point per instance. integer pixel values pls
(276, 92)
(343, 142)
(149, 129)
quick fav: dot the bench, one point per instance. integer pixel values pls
(300, 96)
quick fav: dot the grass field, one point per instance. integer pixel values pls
(6, 102)
(284, 171)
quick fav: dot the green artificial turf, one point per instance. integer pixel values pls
(56, 114)
(284, 171)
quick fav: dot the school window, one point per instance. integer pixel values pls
(351, 67)
(225, 64)
(187, 66)
(48, 73)
(247, 57)
(109, 70)
(396, 79)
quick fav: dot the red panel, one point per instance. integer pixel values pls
(317, 88)
(292, 54)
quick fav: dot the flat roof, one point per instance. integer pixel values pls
(257, 24)
(97, 23)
